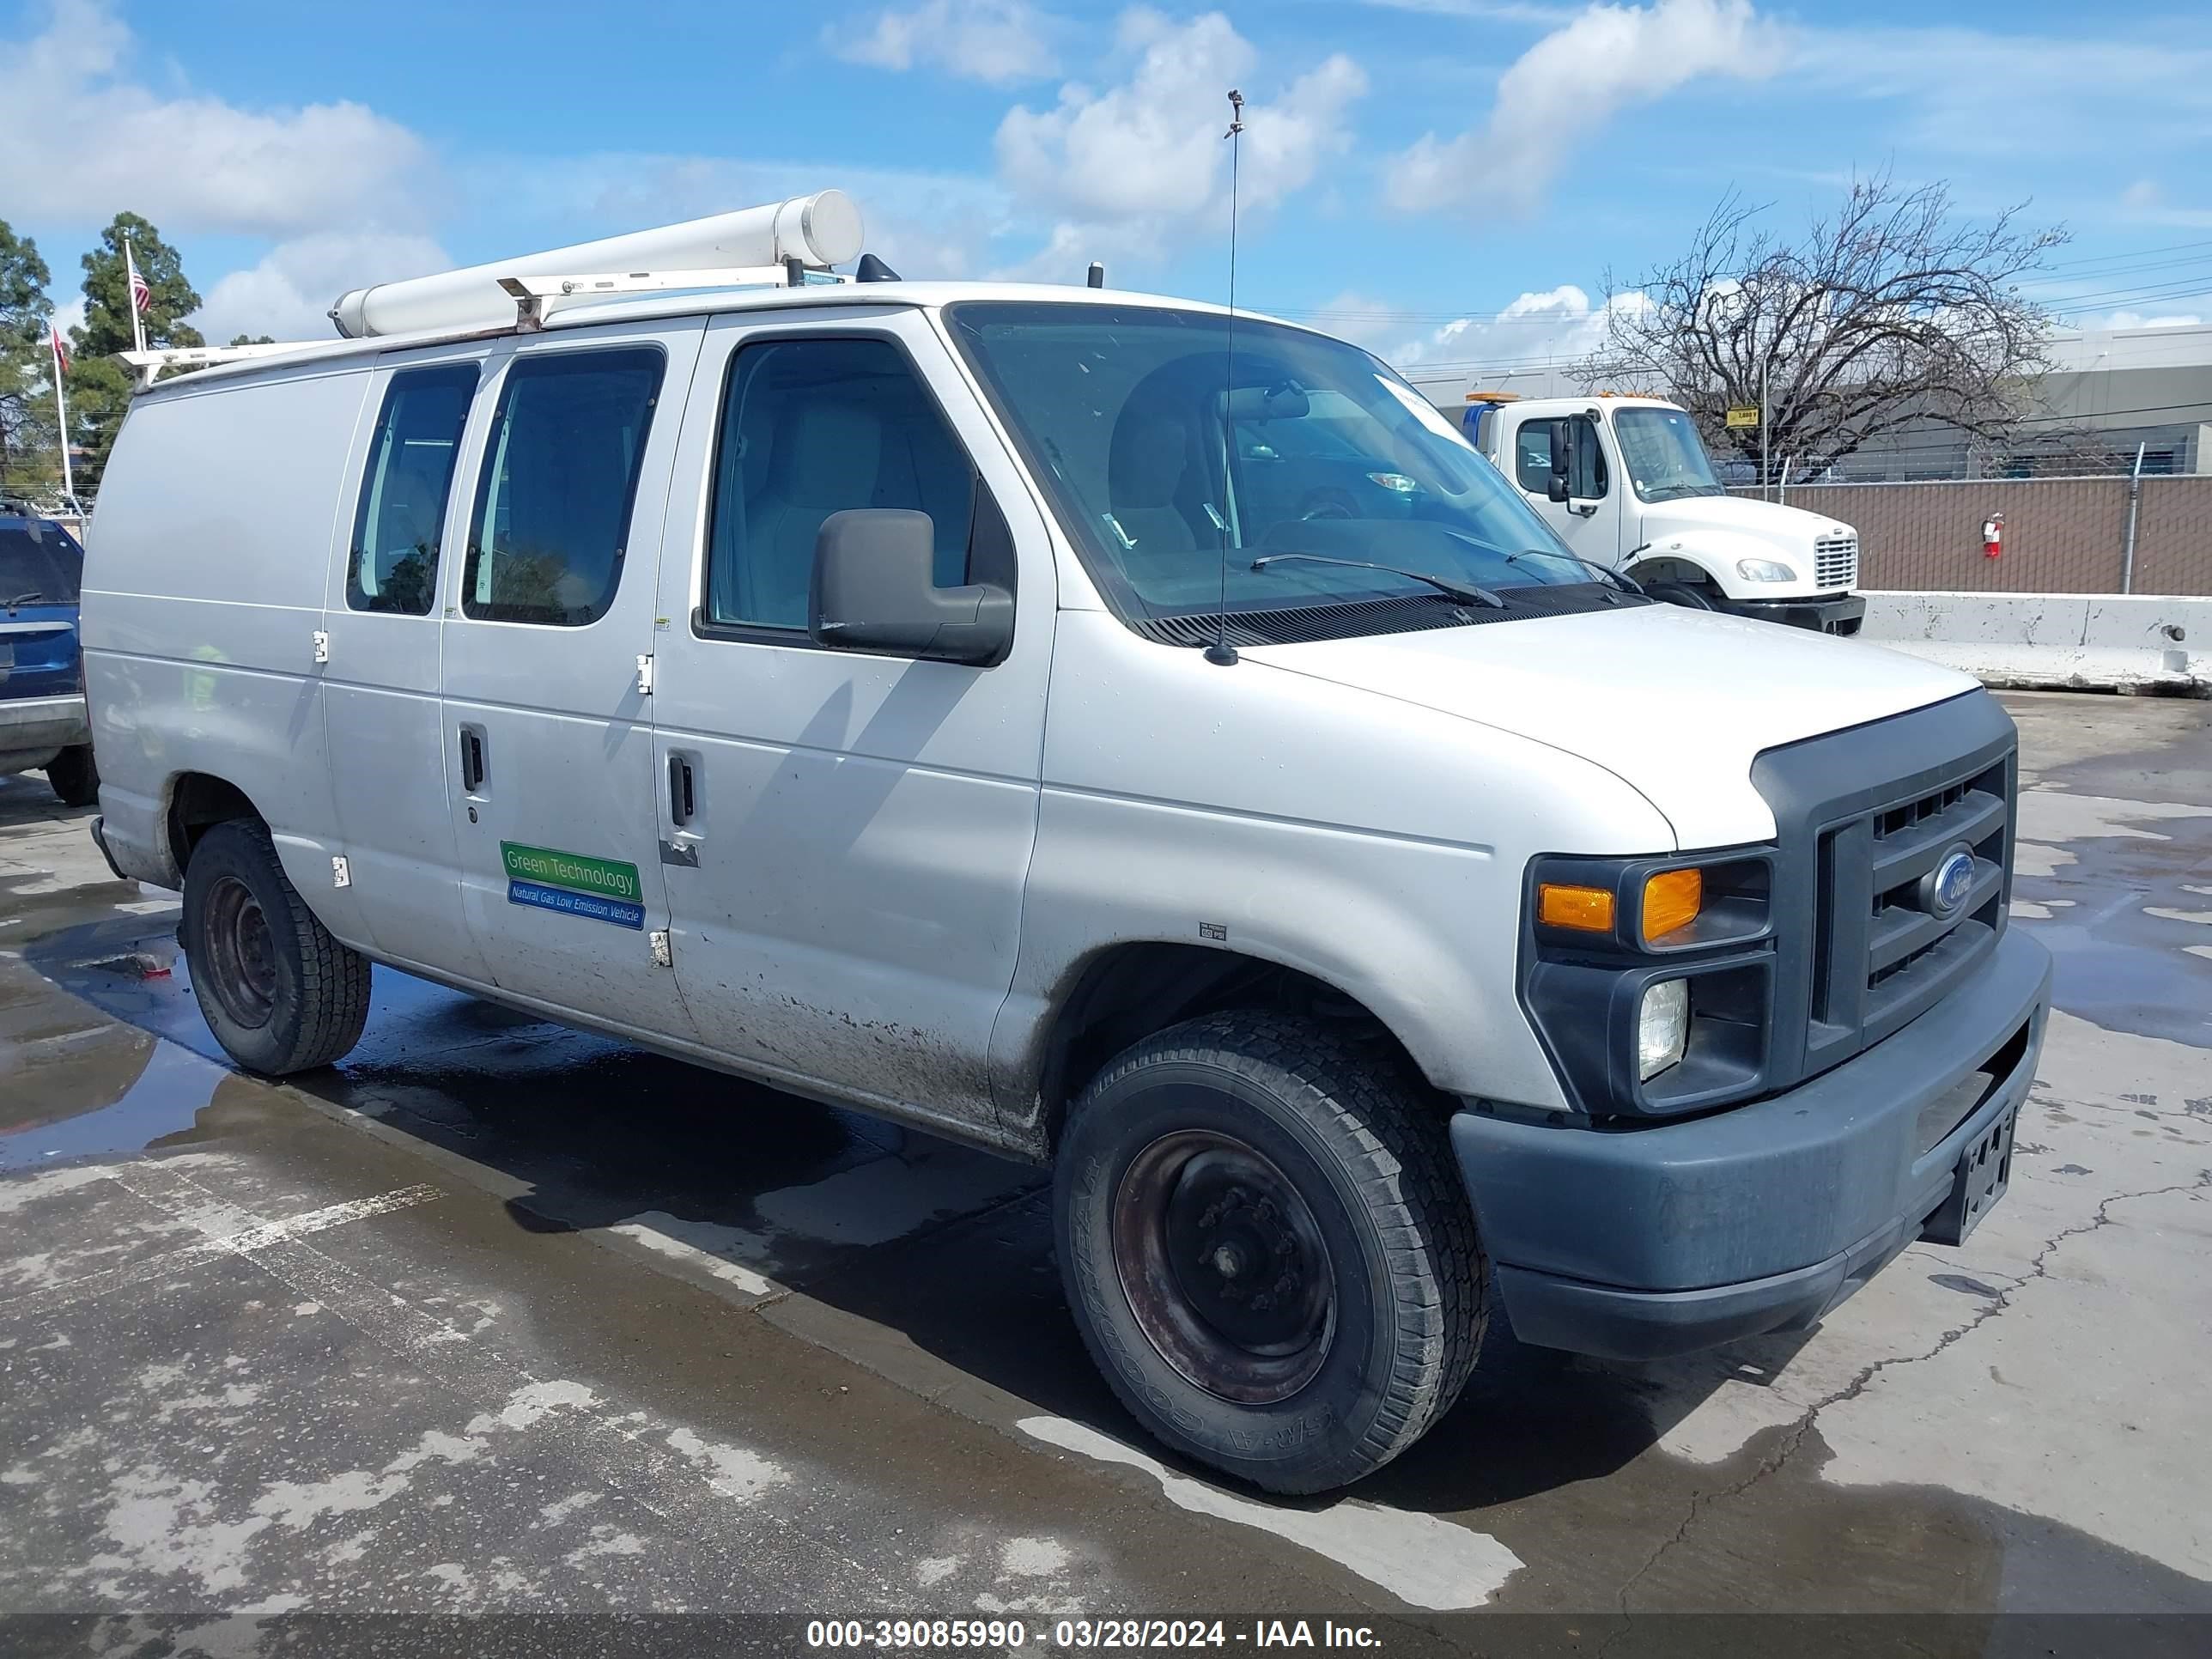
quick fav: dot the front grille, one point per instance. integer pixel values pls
(1861, 818)
(1902, 953)
(1836, 562)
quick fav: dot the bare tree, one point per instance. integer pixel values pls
(1891, 311)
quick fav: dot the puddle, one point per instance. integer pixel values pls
(163, 1104)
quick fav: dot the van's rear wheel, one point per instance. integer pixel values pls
(75, 778)
(1268, 1251)
(279, 992)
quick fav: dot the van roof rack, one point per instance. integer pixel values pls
(788, 244)
(150, 364)
(534, 296)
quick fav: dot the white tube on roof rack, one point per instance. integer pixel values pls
(820, 230)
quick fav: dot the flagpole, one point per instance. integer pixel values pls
(130, 295)
(61, 414)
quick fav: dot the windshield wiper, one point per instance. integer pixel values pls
(25, 598)
(1465, 592)
(1613, 576)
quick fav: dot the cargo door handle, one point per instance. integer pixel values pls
(472, 759)
(683, 802)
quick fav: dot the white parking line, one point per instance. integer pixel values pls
(226, 1229)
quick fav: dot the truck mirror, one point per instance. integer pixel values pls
(1561, 487)
(875, 589)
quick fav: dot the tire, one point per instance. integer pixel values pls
(74, 776)
(279, 992)
(1689, 595)
(1328, 504)
(1190, 1157)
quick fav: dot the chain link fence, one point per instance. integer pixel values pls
(2060, 535)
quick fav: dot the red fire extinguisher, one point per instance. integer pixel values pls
(1993, 535)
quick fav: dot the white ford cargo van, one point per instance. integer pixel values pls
(916, 696)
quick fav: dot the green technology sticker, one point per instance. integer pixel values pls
(572, 883)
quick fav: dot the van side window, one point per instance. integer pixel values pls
(813, 426)
(560, 474)
(1532, 458)
(393, 563)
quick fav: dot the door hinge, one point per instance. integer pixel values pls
(662, 955)
(341, 872)
(645, 675)
(322, 646)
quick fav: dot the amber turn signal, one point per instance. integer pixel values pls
(1672, 899)
(1587, 908)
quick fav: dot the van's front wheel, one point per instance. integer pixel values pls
(1268, 1248)
(280, 993)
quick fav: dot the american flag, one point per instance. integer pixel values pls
(141, 295)
(61, 349)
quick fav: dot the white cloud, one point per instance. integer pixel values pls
(995, 41)
(79, 135)
(2136, 319)
(1969, 92)
(1518, 348)
(287, 295)
(1569, 85)
(1131, 169)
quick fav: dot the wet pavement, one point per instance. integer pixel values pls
(497, 1317)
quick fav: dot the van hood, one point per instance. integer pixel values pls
(1675, 703)
(1789, 528)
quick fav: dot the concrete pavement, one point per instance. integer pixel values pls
(497, 1317)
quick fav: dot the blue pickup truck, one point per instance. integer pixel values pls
(42, 717)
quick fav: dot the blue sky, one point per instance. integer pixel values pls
(1448, 180)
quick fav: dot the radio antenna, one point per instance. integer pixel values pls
(1221, 654)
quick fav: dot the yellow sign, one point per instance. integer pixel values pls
(1743, 415)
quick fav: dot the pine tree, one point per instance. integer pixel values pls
(100, 385)
(27, 459)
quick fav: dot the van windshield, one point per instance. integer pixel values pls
(1164, 449)
(1665, 457)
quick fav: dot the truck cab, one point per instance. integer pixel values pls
(1625, 483)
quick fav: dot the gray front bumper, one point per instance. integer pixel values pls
(42, 726)
(1638, 1242)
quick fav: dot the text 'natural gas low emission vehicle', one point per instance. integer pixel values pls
(909, 694)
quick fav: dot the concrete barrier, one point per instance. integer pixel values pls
(2093, 642)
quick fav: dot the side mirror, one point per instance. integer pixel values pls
(1561, 486)
(874, 589)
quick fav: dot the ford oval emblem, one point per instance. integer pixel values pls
(1952, 880)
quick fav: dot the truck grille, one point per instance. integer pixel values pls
(1898, 954)
(1864, 817)
(1836, 562)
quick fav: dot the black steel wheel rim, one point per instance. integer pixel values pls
(1225, 1266)
(241, 953)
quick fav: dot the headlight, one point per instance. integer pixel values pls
(1663, 1026)
(1393, 480)
(1764, 570)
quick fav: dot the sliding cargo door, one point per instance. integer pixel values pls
(548, 714)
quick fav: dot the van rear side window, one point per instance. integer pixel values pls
(393, 564)
(560, 473)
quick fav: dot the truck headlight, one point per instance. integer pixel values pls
(1764, 570)
(1662, 1029)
